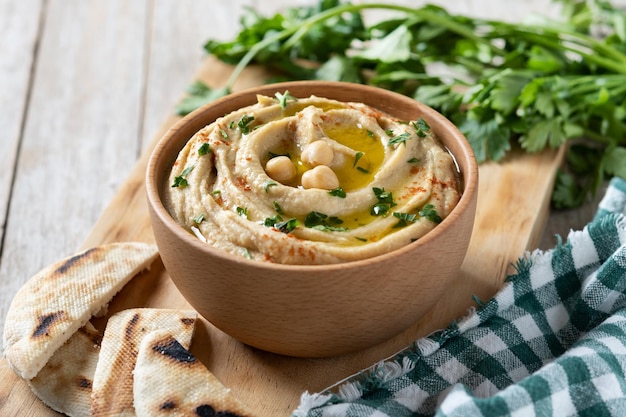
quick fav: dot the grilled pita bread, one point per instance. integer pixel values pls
(170, 381)
(57, 301)
(112, 392)
(64, 383)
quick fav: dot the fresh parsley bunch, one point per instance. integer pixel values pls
(533, 85)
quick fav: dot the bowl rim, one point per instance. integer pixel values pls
(153, 191)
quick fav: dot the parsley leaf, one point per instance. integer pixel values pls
(244, 124)
(421, 127)
(384, 204)
(181, 180)
(357, 157)
(615, 161)
(430, 212)
(269, 184)
(401, 138)
(321, 221)
(405, 219)
(242, 211)
(338, 192)
(284, 98)
(204, 149)
(272, 221)
(286, 226)
(199, 94)
(394, 47)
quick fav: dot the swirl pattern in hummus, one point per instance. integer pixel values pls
(394, 180)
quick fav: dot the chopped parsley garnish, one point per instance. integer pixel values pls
(231, 125)
(413, 161)
(405, 219)
(389, 132)
(429, 212)
(224, 133)
(271, 221)
(181, 180)
(244, 124)
(246, 253)
(268, 184)
(286, 226)
(283, 98)
(370, 133)
(243, 212)
(360, 239)
(216, 192)
(421, 127)
(277, 207)
(338, 192)
(321, 221)
(401, 138)
(204, 149)
(384, 204)
(199, 218)
(357, 156)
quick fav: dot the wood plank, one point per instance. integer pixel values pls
(76, 150)
(19, 29)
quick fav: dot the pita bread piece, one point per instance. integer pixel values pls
(64, 383)
(169, 381)
(112, 392)
(57, 301)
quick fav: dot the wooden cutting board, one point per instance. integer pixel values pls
(513, 204)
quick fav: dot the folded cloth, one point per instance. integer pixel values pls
(551, 342)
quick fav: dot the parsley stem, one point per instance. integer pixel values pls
(249, 56)
(422, 13)
(595, 136)
(577, 43)
(296, 33)
(591, 84)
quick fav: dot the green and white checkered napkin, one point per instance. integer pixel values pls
(551, 342)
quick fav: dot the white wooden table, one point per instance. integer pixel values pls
(84, 86)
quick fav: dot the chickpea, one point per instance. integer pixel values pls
(317, 153)
(281, 169)
(320, 177)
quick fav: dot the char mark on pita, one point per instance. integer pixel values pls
(74, 261)
(129, 331)
(206, 410)
(187, 321)
(174, 350)
(168, 405)
(45, 322)
(85, 383)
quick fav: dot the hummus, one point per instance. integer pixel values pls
(311, 181)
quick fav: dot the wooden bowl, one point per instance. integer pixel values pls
(314, 310)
